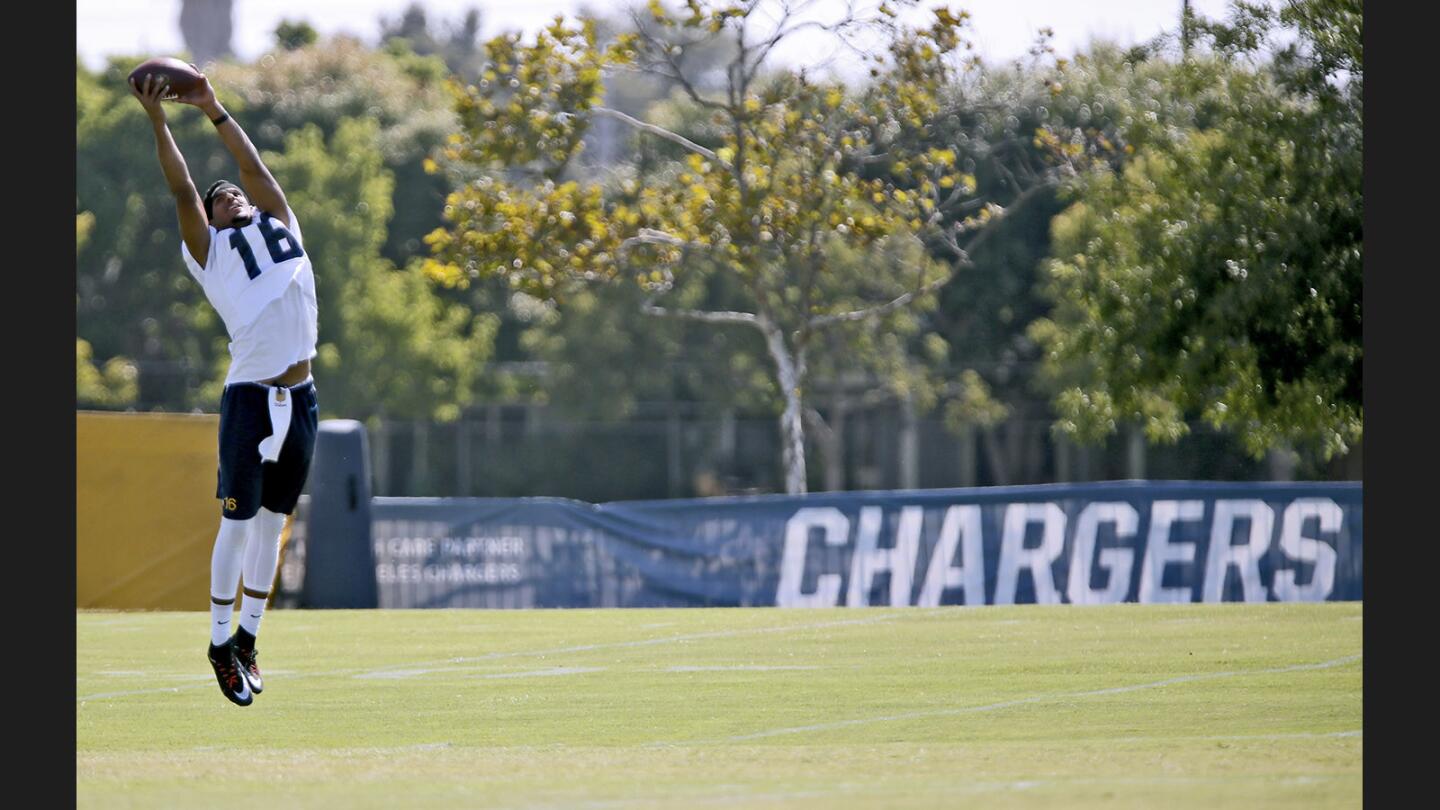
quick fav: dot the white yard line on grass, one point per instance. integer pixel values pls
(545, 673)
(1296, 735)
(852, 792)
(1006, 704)
(690, 799)
(648, 642)
(104, 695)
(459, 664)
(735, 668)
(534, 673)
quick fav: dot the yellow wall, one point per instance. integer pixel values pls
(145, 509)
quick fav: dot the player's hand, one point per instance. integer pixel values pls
(149, 94)
(202, 96)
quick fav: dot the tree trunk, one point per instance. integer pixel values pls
(835, 465)
(909, 445)
(791, 375)
(381, 452)
(1135, 453)
(673, 464)
(1034, 455)
(1015, 449)
(830, 437)
(968, 473)
(999, 469)
(726, 449)
(420, 458)
(792, 438)
(492, 427)
(462, 456)
(1283, 462)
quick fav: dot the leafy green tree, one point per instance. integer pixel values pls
(602, 360)
(782, 184)
(605, 361)
(108, 387)
(134, 300)
(1218, 272)
(115, 384)
(340, 77)
(459, 45)
(84, 222)
(971, 354)
(292, 36)
(389, 345)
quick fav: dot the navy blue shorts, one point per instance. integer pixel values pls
(247, 482)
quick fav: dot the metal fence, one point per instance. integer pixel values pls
(664, 452)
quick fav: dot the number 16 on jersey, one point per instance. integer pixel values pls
(279, 244)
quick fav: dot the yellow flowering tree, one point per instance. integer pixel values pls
(789, 172)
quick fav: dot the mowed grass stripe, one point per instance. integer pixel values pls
(462, 663)
(682, 707)
(990, 707)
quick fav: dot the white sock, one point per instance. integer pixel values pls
(225, 562)
(252, 609)
(262, 551)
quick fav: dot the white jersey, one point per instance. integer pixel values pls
(260, 282)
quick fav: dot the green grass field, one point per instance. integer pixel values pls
(1117, 707)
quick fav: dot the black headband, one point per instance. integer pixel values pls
(215, 188)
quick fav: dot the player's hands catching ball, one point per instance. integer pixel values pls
(150, 93)
(156, 88)
(202, 95)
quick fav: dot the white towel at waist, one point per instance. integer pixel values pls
(278, 398)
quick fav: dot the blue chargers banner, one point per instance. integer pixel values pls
(1133, 541)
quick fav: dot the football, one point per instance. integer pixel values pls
(181, 77)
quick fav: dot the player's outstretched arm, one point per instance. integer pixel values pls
(255, 178)
(194, 229)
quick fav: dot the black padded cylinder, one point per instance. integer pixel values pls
(339, 559)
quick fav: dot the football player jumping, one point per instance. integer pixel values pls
(243, 245)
